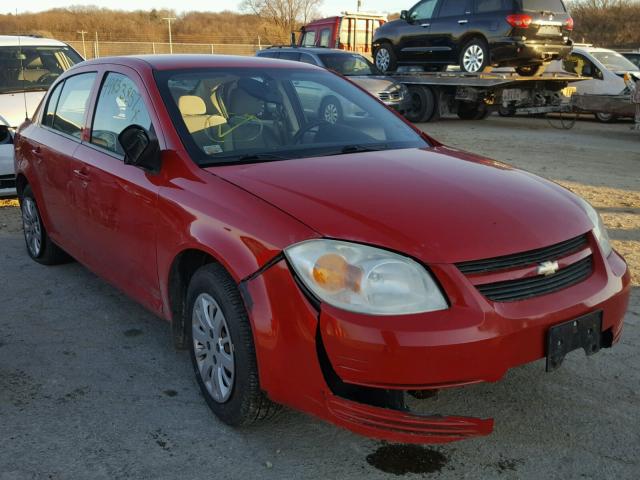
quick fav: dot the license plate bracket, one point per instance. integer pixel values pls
(584, 332)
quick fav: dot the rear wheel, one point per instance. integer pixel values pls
(385, 58)
(222, 349)
(472, 111)
(39, 246)
(474, 57)
(422, 105)
(529, 70)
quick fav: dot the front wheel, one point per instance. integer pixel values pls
(474, 57)
(605, 117)
(39, 246)
(331, 110)
(385, 58)
(222, 349)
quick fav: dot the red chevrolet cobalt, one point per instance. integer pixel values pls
(331, 267)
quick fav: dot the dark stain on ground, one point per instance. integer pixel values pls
(403, 459)
(170, 393)
(508, 464)
(133, 332)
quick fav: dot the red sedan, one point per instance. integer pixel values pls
(333, 268)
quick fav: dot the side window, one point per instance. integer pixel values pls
(295, 56)
(451, 8)
(52, 103)
(119, 105)
(306, 58)
(325, 36)
(488, 6)
(72, 104)
(580, 65)
(309, 39)
(423, 10)
(268, 54)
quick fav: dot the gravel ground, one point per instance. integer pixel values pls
(90, 385)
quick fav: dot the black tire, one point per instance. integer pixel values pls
(472, 47)
(385, 58)
(39, 246)
(330, 110)
(422, 104)
(472, 111)
(247, 403)
(529, 70)
(507, 111)
(605, 117)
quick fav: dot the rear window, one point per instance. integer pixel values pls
(543, 5)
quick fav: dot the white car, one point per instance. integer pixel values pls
(28, 66)
(605, 67)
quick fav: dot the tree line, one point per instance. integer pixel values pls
(607, 23)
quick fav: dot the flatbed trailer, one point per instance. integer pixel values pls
(474, 96)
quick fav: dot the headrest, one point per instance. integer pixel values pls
(259, 90)
(191, 105)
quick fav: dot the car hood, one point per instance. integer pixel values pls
(12, 106)
(439, 205)
(372, 83)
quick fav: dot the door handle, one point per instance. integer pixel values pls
(425, 25)
(462, 22)
(81, 174)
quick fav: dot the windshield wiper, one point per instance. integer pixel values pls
(249, 157)
(361, 148)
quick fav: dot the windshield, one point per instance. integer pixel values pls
(614, 61)
(246, 114)
(33, 68)
(348, 64)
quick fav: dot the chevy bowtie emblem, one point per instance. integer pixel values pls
(548, 268)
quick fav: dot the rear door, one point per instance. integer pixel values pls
(117, 202)
(415, 41)
(51, 147)
(453, 20)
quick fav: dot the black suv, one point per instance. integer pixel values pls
(475, 34)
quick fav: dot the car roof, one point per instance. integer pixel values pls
(179, 61)
(29, 41)
(316, 50)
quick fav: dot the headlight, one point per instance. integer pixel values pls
(364, 279)
(599, 230)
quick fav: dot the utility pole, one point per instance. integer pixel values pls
(84, 48)
(168, 19)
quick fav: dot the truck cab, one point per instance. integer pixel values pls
(350, 31)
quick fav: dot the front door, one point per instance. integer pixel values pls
(117, 202)
(415, 40)
(453, 20)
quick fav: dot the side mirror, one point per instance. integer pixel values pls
(404, 15)
(5, 135)
(597, 73)
(140, 150)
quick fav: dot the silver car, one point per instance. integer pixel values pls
(352, 65)
(606, 69)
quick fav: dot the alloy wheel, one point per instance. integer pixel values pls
(383, 59)
(213, 348)
(32, 226)
(331, 113)
(473, 58)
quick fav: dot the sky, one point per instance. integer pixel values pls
(329, 7)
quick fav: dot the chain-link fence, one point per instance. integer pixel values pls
(92, 49)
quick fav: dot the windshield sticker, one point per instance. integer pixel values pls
(212, 149)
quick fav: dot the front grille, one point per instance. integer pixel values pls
(512, 290)
(386, 96)
(530, 257)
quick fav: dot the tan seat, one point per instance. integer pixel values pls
(194, 113)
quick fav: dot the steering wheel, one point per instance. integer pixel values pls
(53, 76)
(305, 128)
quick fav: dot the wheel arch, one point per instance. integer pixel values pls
(468, 36)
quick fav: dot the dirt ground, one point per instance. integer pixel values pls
(91, 387)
